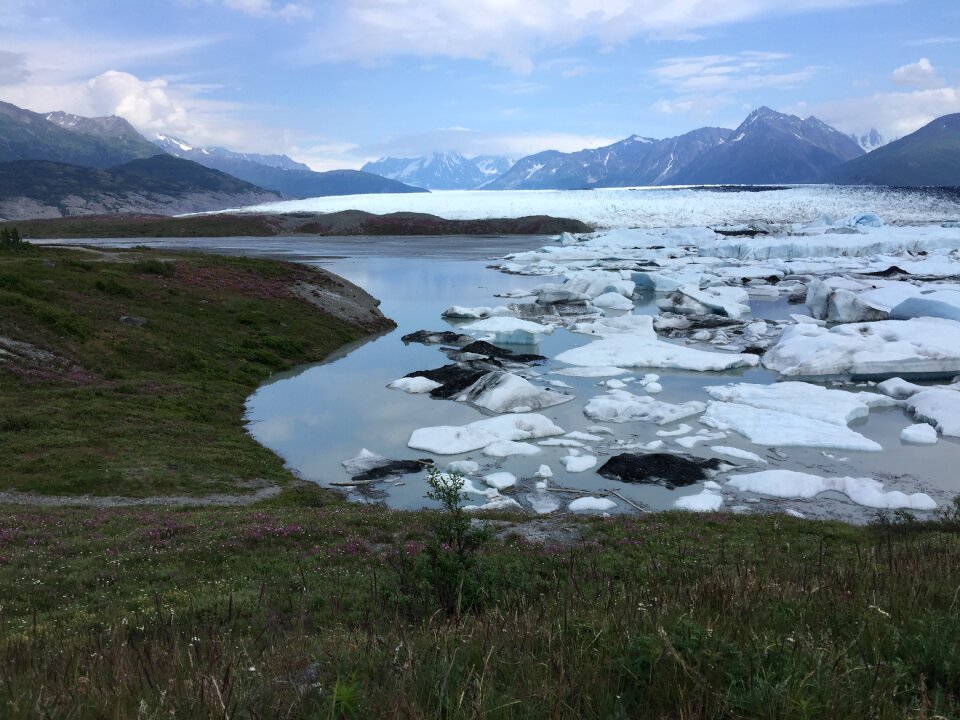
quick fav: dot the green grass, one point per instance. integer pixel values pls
(305, 606)
(308, 607)
(153, 409)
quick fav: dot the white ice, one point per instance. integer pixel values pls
(708, 499)
(503, 392)
(737, 453)
(414, 385)
(457, 439)
(863, 491)
(887, 347)
(620, 406)
(591, 503)
(919, 434)
(463, 467)
(509, 330)
(509, 448)
(774, 428)
(500, 480)
(578, 463)
(363, 461)
(939, 407)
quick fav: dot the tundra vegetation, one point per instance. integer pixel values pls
(303, 605)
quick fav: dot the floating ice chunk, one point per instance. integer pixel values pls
(508, 448)
(600, 430)
(782, 429)
(498, 503)
(591, 503)
(681, 429)
(653, 388)
(939, 303)
(454, 439)
(544, 472)
(613, 301)
(578, 463)
(899, 388)
(560, 384)
(585, 437)
(708, 499)
(500, 480)
(561, 442)
(460, 312)
(863, 491)
(888, 347)
(668, 280)
(939, 407)
(590, 372)
(463, 467)
(799, 398)
(595, 283)
(730, 301)
(620, 406)
(509, 330)
(542, 502)
(623, 325)
(642, 348)
(738, 453)
(691, 441)
(363, 461)
(920, 434)
(502, 392)
(414, 385)
(614, 384)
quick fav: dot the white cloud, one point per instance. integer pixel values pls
(920, 74)
(266, 8)
(513, 32)
(893, 114)
(13, 67)
(747, 70)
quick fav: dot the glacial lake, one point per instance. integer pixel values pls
(319, 415)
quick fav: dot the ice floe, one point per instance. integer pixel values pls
(500, 480)
(799, 398)
(921, 346)
(708, 499)
(620, 406)
(457, 439)
(503, 392)
(939, 407)
(863, 491)
(578, 463)
(414, 385)
(775, 428)
(591, 503)
(509, 330)
(738, 453)
(919, 434)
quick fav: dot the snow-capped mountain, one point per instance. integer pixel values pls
(771, 147)
(183, 149)
(928, 157)
(280, 173)
(869, 140)
(441, 171)
(633, 161)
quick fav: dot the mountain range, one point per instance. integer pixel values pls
(441, 171)
(281, 174)
(159, 184)
(768, 147)
(928, 157)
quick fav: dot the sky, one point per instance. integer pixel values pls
(335, 83)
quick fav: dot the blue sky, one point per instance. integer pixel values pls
(337, 82)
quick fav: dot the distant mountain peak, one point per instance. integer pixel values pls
(441, 170)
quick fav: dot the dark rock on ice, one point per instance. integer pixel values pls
(454, 379)
(659, 468)
(445, 337)
(394, 468)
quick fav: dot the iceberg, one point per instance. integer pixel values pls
(640, 347)
(707, 500)
(775, 428)
(872, 349)
(509, 330)
(504, 392)
(919, 434)
(863, 491)
(457, 439)
(939, 407)
(578, 463)
(620, 406)
(591, 503)
(500, 480)
(415, 385)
